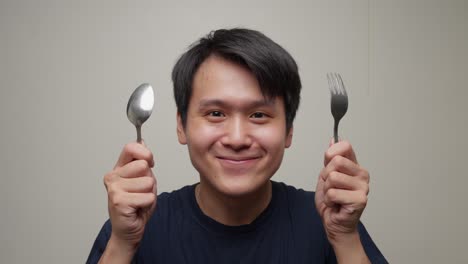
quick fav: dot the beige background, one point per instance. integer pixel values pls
(67, 69)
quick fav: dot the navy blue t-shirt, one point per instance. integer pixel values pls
(289, 230)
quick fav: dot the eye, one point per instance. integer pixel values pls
(258, 115)
(216, 114)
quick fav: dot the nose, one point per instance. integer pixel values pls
(237, 134)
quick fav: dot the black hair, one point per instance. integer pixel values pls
(274, 68)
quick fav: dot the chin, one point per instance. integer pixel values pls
(240, 187)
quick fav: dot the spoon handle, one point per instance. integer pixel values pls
(138, 129)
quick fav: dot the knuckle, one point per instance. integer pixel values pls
(363, 199)
(365, 172)
(128, 148)
(333, 177)
(347, 145)
(339, 161)
(366, 175)
(328, 155)
(115, 200)
(107, 179)
(326, 187)
(151, 197)
(151, 181)
(330, 194)
(149, 156)
(367, 189)
(323, 174)
(142, 165)
(111, 192)
(351, 210)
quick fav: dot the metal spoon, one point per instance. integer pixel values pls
(140, 106)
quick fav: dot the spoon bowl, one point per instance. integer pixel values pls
(140, 106)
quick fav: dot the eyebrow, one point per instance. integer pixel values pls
(224, 104)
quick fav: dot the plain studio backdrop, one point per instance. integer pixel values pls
(67, 69)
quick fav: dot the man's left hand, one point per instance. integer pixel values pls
(341, 193)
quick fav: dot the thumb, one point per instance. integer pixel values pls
(142, 142)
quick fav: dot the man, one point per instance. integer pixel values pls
(237, 93)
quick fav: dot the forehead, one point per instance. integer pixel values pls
(219, 77)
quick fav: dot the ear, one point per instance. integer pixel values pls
(289, 137)
(181, 130)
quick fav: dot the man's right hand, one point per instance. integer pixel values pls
(131, 191)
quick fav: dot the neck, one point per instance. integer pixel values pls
(233, 211)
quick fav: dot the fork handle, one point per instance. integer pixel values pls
(335, 131)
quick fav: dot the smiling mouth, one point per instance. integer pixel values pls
(238, 160)
(238, 166)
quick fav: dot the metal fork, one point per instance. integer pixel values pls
(339, 100)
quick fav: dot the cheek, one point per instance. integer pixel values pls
(203, 136)
(271, 137)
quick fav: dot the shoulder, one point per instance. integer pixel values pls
(172, 205)
(300, 203)
(295, 196)
(171, 210)
(176, 196)
(292, 189)
(100, 243)
(305, 223)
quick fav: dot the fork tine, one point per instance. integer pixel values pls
(337, 84)
(343, 90)
(330, 83)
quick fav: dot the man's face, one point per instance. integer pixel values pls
(236, 138)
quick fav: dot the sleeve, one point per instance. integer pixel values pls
(100, 244)
(372, 252)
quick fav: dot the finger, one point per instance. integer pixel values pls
(341, 148)
(134, 169)
(135, 151)
(140, 200)
(342, 181)
(356, 199)
(138, 185)
(343, 165)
